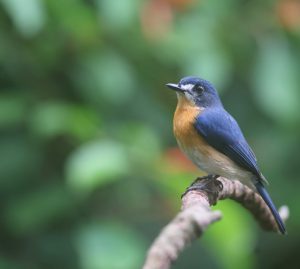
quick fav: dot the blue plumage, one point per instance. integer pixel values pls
(221, 132)
(266, 197)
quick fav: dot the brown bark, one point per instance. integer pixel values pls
(196, 215)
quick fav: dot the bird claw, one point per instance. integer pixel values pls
(209, 184)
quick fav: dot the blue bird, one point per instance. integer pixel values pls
(213, 140)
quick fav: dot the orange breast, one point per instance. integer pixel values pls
(183, 124)
(197, 149)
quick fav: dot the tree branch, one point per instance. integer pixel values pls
(196, 215)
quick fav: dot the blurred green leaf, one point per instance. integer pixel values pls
(12, 110)
(113, 14)
(203, 56)
(50, 119)
(96, 163)
(37, 209)
(212, 64)
(29, 19)
(276, 81)
(75, 18)
(19, 161)
(232, 240)
(106, 78)
(141, 141)
(5, 263)
(109, 245)
(79, 71)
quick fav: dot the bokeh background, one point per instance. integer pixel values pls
(89, 168)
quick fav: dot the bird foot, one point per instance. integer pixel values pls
(208, 184)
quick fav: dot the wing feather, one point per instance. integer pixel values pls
(222, 132)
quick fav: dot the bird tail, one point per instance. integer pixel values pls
(266, 197)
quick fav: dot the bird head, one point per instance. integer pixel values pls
(196, 91)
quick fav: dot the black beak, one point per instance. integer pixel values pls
(174, 87)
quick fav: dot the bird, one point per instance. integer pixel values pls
(212, 139)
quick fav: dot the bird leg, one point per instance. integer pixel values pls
(208, 184)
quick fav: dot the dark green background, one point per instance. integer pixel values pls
(89, 173)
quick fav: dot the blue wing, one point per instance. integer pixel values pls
(222, 132)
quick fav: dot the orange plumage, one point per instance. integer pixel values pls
(183, 121)
(212, 139)
(195, 146)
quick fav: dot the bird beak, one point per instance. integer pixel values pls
(174, 87)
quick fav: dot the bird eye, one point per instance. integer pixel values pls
(198, 89)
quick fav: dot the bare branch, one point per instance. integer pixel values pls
(196, 215)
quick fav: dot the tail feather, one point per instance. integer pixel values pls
(266, 197)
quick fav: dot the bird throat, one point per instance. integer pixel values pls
(184, 117)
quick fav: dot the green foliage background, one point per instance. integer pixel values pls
(88, 173)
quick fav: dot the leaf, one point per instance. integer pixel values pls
(276, 82)
(117, 14)
(141, 141)
(37, 209)
(76, 19)
(95, 164)
(98, 83)
(6, 263)
(51, 119)
(12, 110)
(19, 162)
(109, 245)
(28, 18)
(232, 240)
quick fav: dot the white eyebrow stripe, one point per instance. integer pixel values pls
(187, 87)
